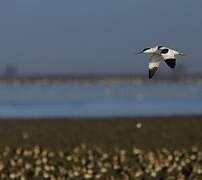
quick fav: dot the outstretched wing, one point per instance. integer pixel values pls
(169, 57)
(154, 62)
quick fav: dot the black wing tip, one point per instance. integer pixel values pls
(150, 75)
(152, 72)
(171, 62)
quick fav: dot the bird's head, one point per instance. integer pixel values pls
(145, 50)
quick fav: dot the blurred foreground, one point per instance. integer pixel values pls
(114, 148)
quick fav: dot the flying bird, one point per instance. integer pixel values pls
(158, 53)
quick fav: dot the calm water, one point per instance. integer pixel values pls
(100, 99)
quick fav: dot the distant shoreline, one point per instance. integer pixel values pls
(66, 78)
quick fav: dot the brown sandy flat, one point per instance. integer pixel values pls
(171, 132)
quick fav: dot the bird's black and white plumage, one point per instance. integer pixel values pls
(157, 53)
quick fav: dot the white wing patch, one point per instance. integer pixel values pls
(169, 55)
(154, 61)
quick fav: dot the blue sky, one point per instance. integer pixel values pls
(91, 36)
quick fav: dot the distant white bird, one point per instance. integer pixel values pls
(158, 52)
